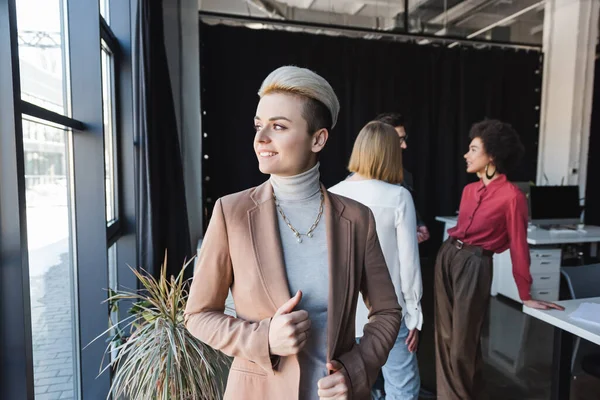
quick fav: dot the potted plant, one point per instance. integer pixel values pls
(152, 354)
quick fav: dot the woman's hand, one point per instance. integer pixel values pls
(422, 233)
(334, 386)
(289, 329)
(412, 341)
(542, 305)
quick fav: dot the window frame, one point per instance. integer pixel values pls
(113, 230)
(92, 238)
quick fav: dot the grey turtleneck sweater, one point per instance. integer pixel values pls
(307, 268)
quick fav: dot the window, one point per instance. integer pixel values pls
(49, 234)
(42, 53)
(112, 285)
(110, 149)
(104, 9)
(64, 242)
(109, 56)
(46, 152)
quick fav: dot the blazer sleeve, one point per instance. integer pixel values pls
(204, 312)
(363, 362)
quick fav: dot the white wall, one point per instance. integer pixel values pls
(570, 33)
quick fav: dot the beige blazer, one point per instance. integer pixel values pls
(242, 251)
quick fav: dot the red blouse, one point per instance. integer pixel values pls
(495, 217)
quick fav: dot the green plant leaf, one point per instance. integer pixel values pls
(159, 359)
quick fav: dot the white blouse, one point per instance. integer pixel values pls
(396, 224)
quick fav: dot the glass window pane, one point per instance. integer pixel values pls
(108, 101)
(42, 55)
(104, 11)
(51, 270)
(113, 285)
(112, 267)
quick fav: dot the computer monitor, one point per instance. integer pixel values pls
(554, 205)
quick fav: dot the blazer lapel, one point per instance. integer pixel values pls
(339, 237)
(264, 232)
(268, 251)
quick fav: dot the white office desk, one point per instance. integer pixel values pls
(560, 319)
(537, 236)
(563, 341)
(449, 222)
(545, 254)
(544, 236)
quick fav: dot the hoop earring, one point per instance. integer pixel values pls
(486, 172)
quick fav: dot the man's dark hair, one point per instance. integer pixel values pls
(393, 119)
(501, 142)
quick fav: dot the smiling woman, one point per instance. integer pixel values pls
(295, 258)
(300, 107)
(492, 218)
(283, 144)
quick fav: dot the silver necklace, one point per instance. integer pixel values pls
(299, 235)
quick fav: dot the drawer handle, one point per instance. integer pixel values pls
(545, 262)
(543, 292)
(544, 277)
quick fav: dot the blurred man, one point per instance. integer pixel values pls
(397, 121)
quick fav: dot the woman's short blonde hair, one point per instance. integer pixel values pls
(377, 153)
(304, 82)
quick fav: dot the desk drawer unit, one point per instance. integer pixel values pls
(545, 281)
(545, 261)
(545, 294)
(544, 253)
(545, 286)
(544, 269)
(544, 266)
(545, 273)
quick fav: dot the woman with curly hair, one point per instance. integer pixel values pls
(492, 218)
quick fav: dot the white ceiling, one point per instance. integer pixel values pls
(461, 18)
(371, 8)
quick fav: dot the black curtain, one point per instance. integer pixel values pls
(162, 221)
(441, 91)
(592, 193)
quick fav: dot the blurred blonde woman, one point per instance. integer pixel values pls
(296, 259)
(376, 162)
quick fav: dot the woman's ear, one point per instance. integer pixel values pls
(319, 140)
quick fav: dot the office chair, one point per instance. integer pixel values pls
(582, 282)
